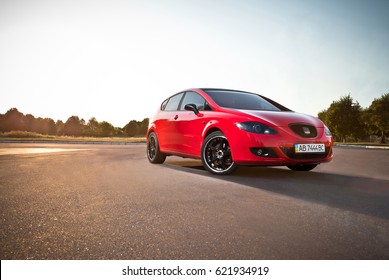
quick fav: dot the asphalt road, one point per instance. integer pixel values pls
(108, 202)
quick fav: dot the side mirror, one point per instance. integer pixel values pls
(191, 107)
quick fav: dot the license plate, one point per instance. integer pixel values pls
(309, 148)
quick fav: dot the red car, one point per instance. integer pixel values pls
(226, 128)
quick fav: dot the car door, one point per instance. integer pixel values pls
(189, 125)
(167, 123)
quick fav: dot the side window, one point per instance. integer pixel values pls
(163, 105)
(173, 102)
(207, 107)
(193, 98)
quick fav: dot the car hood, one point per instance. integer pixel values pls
(283, 118)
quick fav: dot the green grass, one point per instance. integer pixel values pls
(25, 136)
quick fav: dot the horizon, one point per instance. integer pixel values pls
(64, 120)
(117, 61)
(141, 119)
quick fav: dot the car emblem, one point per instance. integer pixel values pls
(306, 130)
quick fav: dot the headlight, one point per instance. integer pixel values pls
(327, 131)
(256, 127)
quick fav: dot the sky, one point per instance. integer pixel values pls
(118, 60)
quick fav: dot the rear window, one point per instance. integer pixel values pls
(243, 100)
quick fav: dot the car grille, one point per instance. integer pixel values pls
(304, 130)
(290, 152)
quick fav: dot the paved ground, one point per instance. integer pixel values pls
(108, 202)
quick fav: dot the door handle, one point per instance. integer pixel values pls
(175, 117)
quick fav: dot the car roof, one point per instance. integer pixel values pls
(224, 89)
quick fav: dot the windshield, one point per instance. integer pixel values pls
(243, 100)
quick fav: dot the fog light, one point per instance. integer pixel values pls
(264, 152)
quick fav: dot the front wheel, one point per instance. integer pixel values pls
(302, 167)
(216, 154)
(154, 155)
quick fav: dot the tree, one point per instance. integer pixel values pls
(107, 129)
(12, 120)
(42, 126)
(51, 127)
(344, 118)
(93, 127)
(323, 115)
(73, 126)
(131, 129)
(60, 126)
(29, 121)
(100, 129)
(144, 125)
(378, 114)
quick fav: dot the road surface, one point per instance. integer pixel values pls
(62, 201)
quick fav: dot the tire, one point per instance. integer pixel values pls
(216, 154)
(302, 167)
(154, 155)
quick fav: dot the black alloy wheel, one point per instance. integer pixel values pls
(216, 154)
(154, 155)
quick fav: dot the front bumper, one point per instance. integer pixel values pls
(277, 149)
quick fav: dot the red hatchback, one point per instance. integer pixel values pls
(227, 128)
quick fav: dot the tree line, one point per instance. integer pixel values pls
(13, 120)
(348, 121)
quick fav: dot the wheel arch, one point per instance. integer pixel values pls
(152, 128)
(209, 131)
(149, 131)
(212, 126)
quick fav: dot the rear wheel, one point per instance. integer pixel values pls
(302, 167)
(154, 155)
(216, 154)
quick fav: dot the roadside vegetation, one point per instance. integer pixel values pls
(25, 136)
(349, 122)
(14, 124)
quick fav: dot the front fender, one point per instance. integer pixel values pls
(210, 126)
